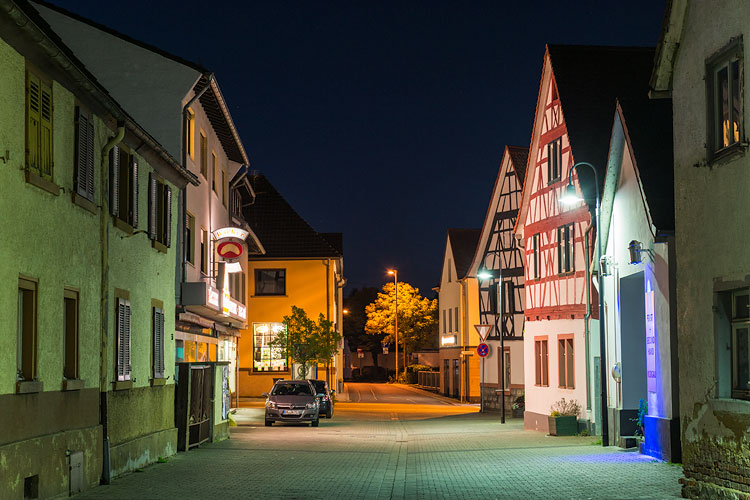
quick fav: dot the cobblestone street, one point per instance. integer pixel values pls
(382, 451)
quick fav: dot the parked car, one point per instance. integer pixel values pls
(325, 397)
(292, 401)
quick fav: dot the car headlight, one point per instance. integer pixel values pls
(312, 405)
(271, 404)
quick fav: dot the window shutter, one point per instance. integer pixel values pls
(45, 131)
(134, 191)
(158, 343)
(33, 105)
(126, 342)
(167, 215)
(82, 172)
(114, 181)
(152, 208)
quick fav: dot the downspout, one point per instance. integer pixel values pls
(587, 318)
(104, 302)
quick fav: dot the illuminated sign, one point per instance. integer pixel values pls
(230, 232)
(451, 340)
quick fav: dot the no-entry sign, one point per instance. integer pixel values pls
(483, 350)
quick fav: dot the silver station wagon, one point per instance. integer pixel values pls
(292, 401)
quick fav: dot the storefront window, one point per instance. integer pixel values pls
(268, 358)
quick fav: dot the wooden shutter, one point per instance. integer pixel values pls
(114, 181)
(158, 342)
(45, 132)
(152, 206)
(33, 105)
(167, 215)
(134, 191)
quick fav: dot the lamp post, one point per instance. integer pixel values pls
(394, 272)
(569, 197)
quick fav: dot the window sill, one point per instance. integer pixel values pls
(41, 183)
(84, 203)
(122, 385)
(123, 226)
(158, 381)
(29, 386)
(70, 384)
(159, 246)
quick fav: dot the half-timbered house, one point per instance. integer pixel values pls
(577, 93)
(501, 296)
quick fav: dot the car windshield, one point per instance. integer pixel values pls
(291, 390)
(320, 386)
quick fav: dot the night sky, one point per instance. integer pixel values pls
(382, 120)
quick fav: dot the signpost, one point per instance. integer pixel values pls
(483, 331)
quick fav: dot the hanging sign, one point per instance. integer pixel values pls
(483, 331)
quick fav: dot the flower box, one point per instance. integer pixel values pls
(563, 425)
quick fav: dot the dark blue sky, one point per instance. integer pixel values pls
(382, 120)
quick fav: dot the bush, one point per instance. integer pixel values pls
(565, 408)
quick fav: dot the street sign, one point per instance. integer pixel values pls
(483, 331)
(483, 350)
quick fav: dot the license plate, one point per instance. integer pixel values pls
(291, 412)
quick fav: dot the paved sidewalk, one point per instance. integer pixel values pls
(368, 452)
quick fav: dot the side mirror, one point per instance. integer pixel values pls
(265, 394)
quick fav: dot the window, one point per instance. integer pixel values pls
(541, 367)
(159, 210)
(509, 299)
(190, 238)
(39, 158)
(741, 344)
(455, 312)
(565, 364)
(267, 357)
(204, 155)
(224, 187)
(565, 242)
(204, 251)
(554, 160)
(537, 257)
(122, 367)
(270, 281)
(27, 330)
(157, 330)
(84, 154)
(123, 184)
(190, 133)
(213, 172)
(70, 335)
(724, 80)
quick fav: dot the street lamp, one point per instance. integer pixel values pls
(394, 273)
(569, 197)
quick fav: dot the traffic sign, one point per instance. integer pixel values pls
(483, 350)
(483, 331)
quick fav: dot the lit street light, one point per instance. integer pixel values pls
(394, 273)
(569, 197)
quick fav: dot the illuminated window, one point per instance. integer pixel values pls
(554, 160)
(565, 363)
(724, 81)
(270, 281)
(267, 357)
(565, 242)
(541, 366)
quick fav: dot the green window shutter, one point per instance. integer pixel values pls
(152, 206)
(33, 106)
(45, 132)
(134, 190)
(114, 181)
(167, 215)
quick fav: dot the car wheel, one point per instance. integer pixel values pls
(269, 423)
(316, 422)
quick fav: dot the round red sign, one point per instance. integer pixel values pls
(229, 249)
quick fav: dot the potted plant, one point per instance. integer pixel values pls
(518, 406)
(563, 418)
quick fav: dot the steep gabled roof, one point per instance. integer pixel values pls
(463, 245)
(281, 230)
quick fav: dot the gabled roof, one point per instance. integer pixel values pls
(517, 156)
(463, 244)
(281, 230)
(212, 100)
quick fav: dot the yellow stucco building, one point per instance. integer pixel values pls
(302, 268)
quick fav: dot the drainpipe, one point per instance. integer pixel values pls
(586, 319)
(104, 300)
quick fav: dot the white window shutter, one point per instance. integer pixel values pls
(152, 208)
(167, 215)
(114, 181)
(134, 189)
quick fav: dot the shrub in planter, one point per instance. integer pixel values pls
(563, 418)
